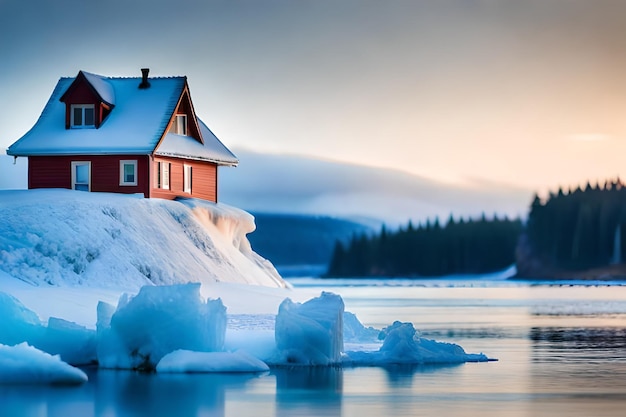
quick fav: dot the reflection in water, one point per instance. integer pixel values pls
(549, 365)
(582, 365)
(593, 339)
(311, 391)
(125, 393)
(401, 376)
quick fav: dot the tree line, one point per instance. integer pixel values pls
(430, 249)
(577, 229)
(569, 230)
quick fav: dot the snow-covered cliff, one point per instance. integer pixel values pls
(68, 238)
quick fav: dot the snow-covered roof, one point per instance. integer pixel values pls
(213, 150)
(102, 86)
(135, 126)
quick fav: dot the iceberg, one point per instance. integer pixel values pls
(402, 345)
(18, 324)
(157, 321)
(75, 344)
(310, 333)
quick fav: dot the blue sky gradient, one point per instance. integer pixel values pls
(525, 95)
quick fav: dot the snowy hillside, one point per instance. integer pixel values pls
(68, 238)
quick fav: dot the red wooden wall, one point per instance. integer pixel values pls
(56, 172)
(203, 184)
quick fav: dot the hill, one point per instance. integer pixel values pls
(68, 238)
(300, 243)
(297, 184)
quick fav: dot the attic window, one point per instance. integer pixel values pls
(179, 125)
(82, 116)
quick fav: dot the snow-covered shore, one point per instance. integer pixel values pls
(68, 238)
(98, 278)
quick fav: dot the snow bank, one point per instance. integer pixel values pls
(187, 361)
(23, 364)
(157, 321)
(125, 241)
(402, 345)
(310, 333)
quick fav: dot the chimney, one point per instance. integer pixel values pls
(144, 78)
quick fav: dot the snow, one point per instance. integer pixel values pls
(212, 149)
(23, 364)
(128, 282)
(187, 361)
(310, 333)
(102, 86)
(135, 125)
(124, 241)
(157, 321)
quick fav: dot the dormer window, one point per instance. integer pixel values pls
(82, 116)
(179, 125)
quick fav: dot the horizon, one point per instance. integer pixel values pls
(526, 96)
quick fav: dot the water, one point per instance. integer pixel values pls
(561, 350)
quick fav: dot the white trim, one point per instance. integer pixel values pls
(164, 177)
(181, 124)
(123, 163)
(187, 178)
(83, 107)
(76, 164)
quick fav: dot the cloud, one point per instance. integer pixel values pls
(299, 184)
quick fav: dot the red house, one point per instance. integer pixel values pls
(123, 135)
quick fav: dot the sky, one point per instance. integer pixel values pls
(527, 95)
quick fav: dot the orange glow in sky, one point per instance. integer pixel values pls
(528, 94)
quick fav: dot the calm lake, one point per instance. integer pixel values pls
(561, 350)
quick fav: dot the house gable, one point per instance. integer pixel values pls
(88, 91)
(184, 107)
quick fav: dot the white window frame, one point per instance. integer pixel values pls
(123, 163)
(74, 164)
(164, 175)
(187, 178)
(82, 107)
(180, 124)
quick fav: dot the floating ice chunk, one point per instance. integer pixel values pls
(355, 332)
(188, 361)
(24, 364)
(17, 323)
(310, 333)
(157, 321)
(402, 345)
(74, 343)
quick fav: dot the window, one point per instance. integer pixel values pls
(163, 179)
(81, 175)
(179, 125)
(187, 178)
(128, 172)
(83, 116)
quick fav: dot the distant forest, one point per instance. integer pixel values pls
(568, 231)
(464, 246)
(575, 230)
